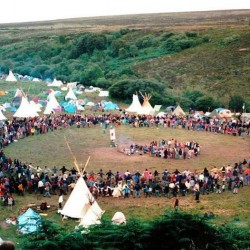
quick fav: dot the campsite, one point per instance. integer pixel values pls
(66, 125)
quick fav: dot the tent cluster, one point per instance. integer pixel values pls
(23, 107)
(145, 108)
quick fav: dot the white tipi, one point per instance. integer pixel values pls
(82, 205)
(146, 106)
(70, 95)
(178, 111)
(2, 117)
(135, 105)
(11, 77)
(52, 104)
(25, 110)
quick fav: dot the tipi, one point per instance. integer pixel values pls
(11, 77)
(70, 95)
(82, 205)
(135, 105)
(52, 104)
(2, 117)
(178, 111)
(25, 110)
(146, 106)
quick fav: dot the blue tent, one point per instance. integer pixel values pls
(29, 222)
(110, 106)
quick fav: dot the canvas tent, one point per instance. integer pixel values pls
(245, 116)
(147, 109)
(135, 105)
(55, 83)
(71, 84)
(104, 93)
(70, 95)
(25, 110)
(52, 104)
(36, 106)
(2, 117)
(11, 77)
(29, 222)
(225, 113)
(178, 111)
(82, 205)
(18, 93)
(119, 218)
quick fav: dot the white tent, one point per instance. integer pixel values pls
(104, 93)
(37, 106)
(146, 106)
(2, 117)
(71, 84)
(135, 106)
(70, 95)
(52, 104)
(55, 83)
(36, 80)
(119, 218)
(11, 77)
(82, 205)
(25, 110)
(18, 93)
(178, 111)
(225, 113)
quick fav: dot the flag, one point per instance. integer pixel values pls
(112, 134)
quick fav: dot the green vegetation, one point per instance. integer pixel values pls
(204, 59)
(174, 230)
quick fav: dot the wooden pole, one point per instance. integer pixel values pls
(73, 156)
(86, 164)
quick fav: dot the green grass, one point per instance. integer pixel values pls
(51, 149)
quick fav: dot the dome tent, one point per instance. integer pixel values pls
(29, 222)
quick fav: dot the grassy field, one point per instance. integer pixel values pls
(51, 149)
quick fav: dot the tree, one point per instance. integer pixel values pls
(124, 89)
(133, 50)
(123, 53)
(236, 103)
(207, 103)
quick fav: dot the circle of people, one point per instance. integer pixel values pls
(20, 178)
(15, 129)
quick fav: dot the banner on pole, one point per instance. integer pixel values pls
(112, 134)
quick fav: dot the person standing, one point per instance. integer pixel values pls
(60, 200)
(197, 192)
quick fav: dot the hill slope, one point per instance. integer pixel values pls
(208, 52)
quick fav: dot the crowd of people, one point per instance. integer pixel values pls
(15, 129)
(167, 149)
(19, 178)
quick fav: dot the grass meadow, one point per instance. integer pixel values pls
(51, 150)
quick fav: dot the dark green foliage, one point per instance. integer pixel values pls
(174, 230)
(236, 103)
(146, 41)
(124, 89)
(87, 43)
(207, 103)
(191, 34)
(193, 96)
(102, 83)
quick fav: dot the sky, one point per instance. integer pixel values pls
(39, 10)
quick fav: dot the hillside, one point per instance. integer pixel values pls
(188, 58)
